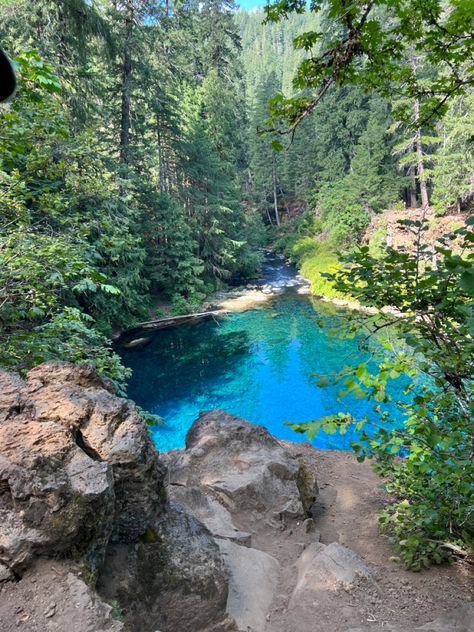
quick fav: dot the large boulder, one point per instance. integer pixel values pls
(81, 479)
(174, 580)
(244, 465)
(204, 506)
(253, 578)
(76, 467)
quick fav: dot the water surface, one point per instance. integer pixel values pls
(258, 364)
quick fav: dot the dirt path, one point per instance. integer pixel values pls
(346, 512)
(50, 598)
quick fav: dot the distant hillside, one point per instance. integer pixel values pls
(269, 48)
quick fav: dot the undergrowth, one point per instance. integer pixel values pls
(313, 257)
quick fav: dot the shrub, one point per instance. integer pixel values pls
(428, 462)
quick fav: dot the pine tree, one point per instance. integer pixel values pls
(453, 173)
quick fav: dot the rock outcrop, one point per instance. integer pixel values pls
(81, 483)
(77, 468)
(243, 466)
(174, 579)
(253, 579)
(235, 477)
(80, 479)
(322, 568)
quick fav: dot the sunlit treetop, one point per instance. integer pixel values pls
(378, 44)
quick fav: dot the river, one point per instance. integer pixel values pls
(260, 364)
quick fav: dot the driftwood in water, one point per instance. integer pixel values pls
(160, 323)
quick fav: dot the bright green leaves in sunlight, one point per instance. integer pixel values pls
(122, 166)
(427, 464)
(371, 44)
(46, 259)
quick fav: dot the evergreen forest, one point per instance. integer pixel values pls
(153, 148)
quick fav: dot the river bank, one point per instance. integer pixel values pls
(278, 275)
(237, 531)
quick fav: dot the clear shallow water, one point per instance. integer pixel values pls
(256, 364)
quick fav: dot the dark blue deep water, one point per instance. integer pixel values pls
(258, 364)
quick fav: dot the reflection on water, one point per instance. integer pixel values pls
(257, 365)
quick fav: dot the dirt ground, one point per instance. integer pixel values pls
(346, 512)
(49, 598)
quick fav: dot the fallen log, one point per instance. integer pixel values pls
(168, 321)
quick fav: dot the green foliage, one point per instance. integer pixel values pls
(110, 192)
(377, 242)
(454, 160)
(171, 260)
(314, 258)
(428, 463)
(181, 305)
(368, 45)
(69, 335)
(58, 255)
(116, 610)
(316, 266)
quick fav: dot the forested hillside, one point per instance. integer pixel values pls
(355, 155)
(123, 160)
(130, 157)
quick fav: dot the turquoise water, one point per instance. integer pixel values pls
(256, 364)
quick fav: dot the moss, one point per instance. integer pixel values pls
(150, 536)
(378, 241)
(313, 268)
(312, 256)
(116, 610)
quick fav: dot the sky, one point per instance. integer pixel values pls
(250, 4)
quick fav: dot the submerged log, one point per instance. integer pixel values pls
(168, 321)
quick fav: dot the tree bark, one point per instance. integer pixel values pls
(126, 83)
(275, 195)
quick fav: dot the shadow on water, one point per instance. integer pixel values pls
(258, 364)
(179, 360)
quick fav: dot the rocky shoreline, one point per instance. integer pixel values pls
(100, 533)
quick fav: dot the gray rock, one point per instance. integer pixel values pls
(210, 512)
(5, 574)
(322, 568)
(459, 620)
(175, 579)
(244, 465)
(253, 579)
(76, 467)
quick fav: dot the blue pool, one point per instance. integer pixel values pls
(259, 365)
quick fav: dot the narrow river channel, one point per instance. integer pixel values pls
(260, 364)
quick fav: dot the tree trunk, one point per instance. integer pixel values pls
(420, 167)
(126, 81)
(284, 202)
(161, 160)
(275, 195)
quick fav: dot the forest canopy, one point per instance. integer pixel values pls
(130, 157)
(141, 169)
